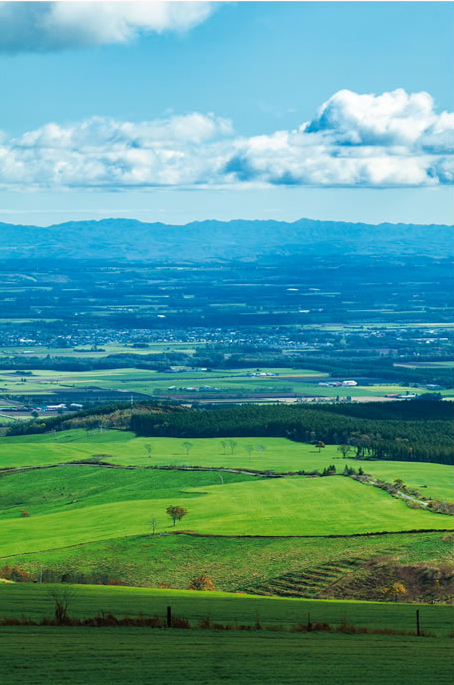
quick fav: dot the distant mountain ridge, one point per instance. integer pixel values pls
(211, 240)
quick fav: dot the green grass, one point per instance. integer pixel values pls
(279, 455)
(47, 491)
(220, 606)
(287, 506)
(52, 656)
(148, 560)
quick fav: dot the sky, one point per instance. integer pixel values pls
(182, 111)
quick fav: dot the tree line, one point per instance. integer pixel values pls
(418, 438)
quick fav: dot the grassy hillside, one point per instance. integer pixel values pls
(283, 506)
(279, 454)
(149, 560)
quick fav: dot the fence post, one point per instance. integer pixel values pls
(309, 624)
(418, 632)
(169, 617)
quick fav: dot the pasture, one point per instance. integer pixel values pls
(71, 505)
(148, 560)
(274, 454)
(80, 656)
(221, 607)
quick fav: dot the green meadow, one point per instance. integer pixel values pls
(221, 607)
(71, 505)
(278, 454)
(81, 656)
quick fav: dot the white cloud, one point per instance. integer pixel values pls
(394, 139)
(47, 26)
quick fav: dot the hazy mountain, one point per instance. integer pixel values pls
(128, 239)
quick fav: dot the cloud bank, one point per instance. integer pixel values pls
(50, 26)
(355, 140)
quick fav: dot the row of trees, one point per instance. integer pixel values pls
(400, 439)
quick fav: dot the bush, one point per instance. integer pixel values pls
(14, 573)
(202, 583)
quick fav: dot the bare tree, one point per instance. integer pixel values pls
(260, 449)
(249, 449)
(62, 598)
(224, 445)
(232, 445)
(153, 524)
(187, 446)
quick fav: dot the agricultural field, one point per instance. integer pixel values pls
(209, 656)
(274, 454)
(192, 384)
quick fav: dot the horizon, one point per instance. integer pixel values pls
(225, 221)
(184, 111)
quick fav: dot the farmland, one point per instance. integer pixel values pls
(277, 454)
(213, 656)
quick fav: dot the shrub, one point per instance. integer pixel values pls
(202, 582)
(14, 573)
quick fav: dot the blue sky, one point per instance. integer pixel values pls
(336, 110)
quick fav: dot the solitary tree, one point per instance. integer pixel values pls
(320, 445)
(187, 446)
(176, 513)
(395, 591)
(260, 449)
(153, 524)
(249, 449)
(148, 447)
(62, 598)
(224, 445)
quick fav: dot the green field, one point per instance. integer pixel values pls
(221, 607)
(79, 504)
(279, 454)
(43, 656)
(84, 657)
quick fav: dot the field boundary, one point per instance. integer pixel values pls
(192, 533)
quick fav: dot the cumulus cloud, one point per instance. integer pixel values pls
(356, 140)
(47, 26)
(394, 139)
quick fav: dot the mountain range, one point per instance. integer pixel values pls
(203, 241)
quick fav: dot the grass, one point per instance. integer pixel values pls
(221, 607)
(82, 656)
(287, 506)
(279, 455)
(148, 560)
